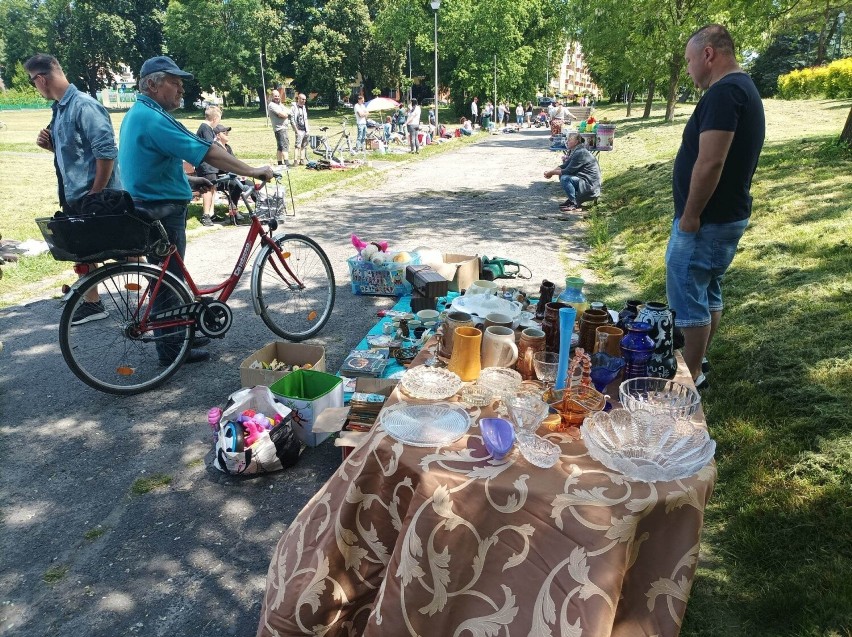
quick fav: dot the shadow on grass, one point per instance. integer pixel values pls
(776, 557)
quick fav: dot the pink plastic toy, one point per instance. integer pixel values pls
(213, 418)
(253, 431)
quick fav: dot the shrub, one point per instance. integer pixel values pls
(833, 81)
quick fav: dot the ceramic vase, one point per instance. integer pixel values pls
(498, 347)
(550, 326)
(567, 315)
(454, 320)
(636, 349)
(573, 294)
(663, 363)
(628, 313)
(467, 343)
(545, 296)
(589, 322)
(532, 341)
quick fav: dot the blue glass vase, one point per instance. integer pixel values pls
(636, 349)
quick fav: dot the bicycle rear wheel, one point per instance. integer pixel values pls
(295, 312)
(114, 354)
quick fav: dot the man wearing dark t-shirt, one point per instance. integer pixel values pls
(712, 178)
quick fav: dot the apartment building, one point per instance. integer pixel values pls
(574, 77)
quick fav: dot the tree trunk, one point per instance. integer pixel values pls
(846, 135)
(650, 101)
(629, 98)
(92, 81)
(262, 97)
(822, 36)
(674, 75)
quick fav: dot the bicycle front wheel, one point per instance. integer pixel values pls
(294, 304)
(111, 351)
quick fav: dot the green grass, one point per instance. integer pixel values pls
(28, 187)
(142, 486)
(55, 574)
(776, 553)
(93, 534)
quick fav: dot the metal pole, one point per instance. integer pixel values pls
(263, 82)
(436, 71)
(409, 71)
(494, 111)
(547, 81)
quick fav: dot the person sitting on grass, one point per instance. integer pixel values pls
(466, 126)
(579, 174)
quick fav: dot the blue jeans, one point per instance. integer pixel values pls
(361, 141)
(570, 184)
(413, 142)
(173, 218)
(695, 264)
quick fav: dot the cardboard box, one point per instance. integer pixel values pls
(459, 269)
(308, 393)
(292, 353)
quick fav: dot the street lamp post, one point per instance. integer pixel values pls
(436, 4)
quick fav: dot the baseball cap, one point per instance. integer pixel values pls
(221, 129)
(162, 63)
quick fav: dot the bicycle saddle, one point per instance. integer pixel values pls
(324, 128)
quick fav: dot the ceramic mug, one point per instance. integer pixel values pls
(496, 318)
(453, 320)
(464, 361)
(498, 347)
(609, 337)
(482, 287)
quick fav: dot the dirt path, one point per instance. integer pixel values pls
(191, 559)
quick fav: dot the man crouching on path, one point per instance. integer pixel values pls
(711, 182)
(152, 148)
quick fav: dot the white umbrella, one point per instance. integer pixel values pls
(381, 104)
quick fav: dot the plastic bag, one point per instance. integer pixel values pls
(272, 451)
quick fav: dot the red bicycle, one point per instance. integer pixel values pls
(153, 315)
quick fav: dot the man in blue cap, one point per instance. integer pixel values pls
(152, 148)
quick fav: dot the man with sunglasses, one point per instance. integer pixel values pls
(153, 146)
(81, 138)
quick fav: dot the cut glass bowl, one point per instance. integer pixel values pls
(477, 395)
(425, 425)
(530, 402)
(537, 450)
(659, 395)
(430, 383)
(503, 382)
(646, 445)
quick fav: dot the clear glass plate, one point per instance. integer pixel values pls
(647, 446)
(504, 382)
(425, 425)
(430, 383)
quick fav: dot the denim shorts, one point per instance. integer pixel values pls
(695, 264)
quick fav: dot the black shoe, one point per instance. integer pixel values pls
(705, 366)
(195, 356)
(206, 221)
(199, 340)
(702, 383)
(89, 312)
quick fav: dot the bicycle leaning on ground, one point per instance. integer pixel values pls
(292, 288)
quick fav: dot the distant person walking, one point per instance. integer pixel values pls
(474, 110)
(81, 138)
(412, 124)
(299, 122)
(711, 184)
(279, 116)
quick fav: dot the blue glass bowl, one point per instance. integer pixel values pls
(498, 435)
(604, 370)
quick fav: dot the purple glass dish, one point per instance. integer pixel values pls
(498, 435)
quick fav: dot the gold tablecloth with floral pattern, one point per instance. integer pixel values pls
(448, 542)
